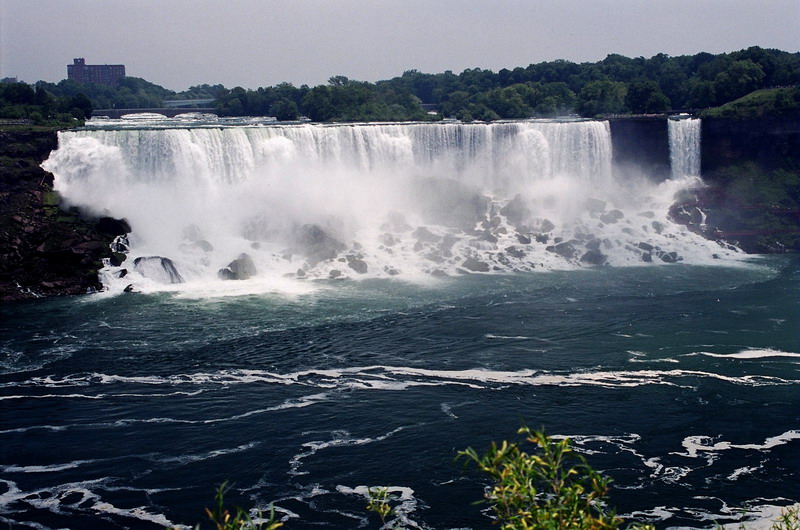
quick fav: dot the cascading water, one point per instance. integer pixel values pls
(684, 146)
(208, 204)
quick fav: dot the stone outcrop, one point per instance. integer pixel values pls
(45, 250)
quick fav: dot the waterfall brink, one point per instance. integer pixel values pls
(684, 146)
(259, 204)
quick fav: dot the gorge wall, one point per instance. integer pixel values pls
(45, 250)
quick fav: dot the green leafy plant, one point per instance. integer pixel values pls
(223, 519)
(788, 520)
(551, 488)
(379, 503)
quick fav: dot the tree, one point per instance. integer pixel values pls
(739, 79)
(645, 97)
(284, 110)
(553, 488)
(601, 97)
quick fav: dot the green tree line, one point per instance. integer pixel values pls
(20, 101)
(615, 85)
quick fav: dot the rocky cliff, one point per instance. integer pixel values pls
(45, 250)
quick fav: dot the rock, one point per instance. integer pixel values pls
(594, 206)
(525, 240)
(242, 268)
(475, 265)
(515, 252)
(593, 244)
(657, 226)
(117, 258)
(647, 257)
(612, 217)
(157, 268)
(516, 211)
(647, 247)
(358, 265)
(113, 227)
(423, 235)
(396, 222)
(670, 257)
(564, 249)
(316, 244)
(594, 257)
(335, 274)
(545, 225)
(450, 203)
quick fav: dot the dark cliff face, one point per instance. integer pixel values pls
(44, 250)
(770, 141)
(752, 167)
(641, 146)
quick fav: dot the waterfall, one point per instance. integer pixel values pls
(208, 204)
(684, 146)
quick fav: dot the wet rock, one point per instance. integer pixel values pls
(474, 265)
(334, 274)
(594, 206)
(515, 252)
(670, 257)
(316, 244)
(594, 257)
(516, 211)
(525, 240)
(542, 238)
(157, 268)
(545, 225)
(422, 234)
(647, 247)
(657, 226)
(395, 222)
(357, 264)
(113, 227)
(242, 268)
(647, 257)
(564, 249)
(612, 217)
(593, 244)
(450, 203)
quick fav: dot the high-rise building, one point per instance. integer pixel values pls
(104, 74)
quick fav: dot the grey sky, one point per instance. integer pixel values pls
(252, 43)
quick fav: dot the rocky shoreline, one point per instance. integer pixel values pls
(45, 249)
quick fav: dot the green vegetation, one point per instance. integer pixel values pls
(552, 488)
(758, 206)
(222, 518)
(758, 104)
(615, 85)
(22, 104)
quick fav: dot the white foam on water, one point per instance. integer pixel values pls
(700, 446)
(753, 353)
(340, 439)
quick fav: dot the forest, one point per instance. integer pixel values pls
(615, 85)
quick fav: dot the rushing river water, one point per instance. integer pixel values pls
(676, 376)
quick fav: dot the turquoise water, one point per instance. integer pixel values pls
(679, 381)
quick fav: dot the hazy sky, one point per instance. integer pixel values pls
(252, 43)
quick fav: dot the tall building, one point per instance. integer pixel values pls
(104, 74)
